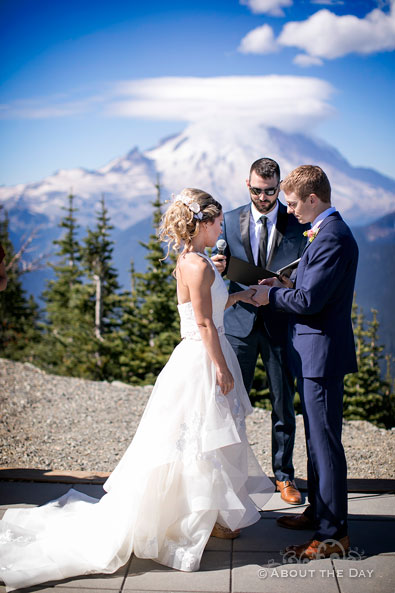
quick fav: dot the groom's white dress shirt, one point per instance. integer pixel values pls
(317, 221)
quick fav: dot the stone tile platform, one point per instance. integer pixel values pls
(252, 563)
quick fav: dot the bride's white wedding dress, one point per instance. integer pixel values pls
(188, 466)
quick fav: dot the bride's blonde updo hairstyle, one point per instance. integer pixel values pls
(187, 211)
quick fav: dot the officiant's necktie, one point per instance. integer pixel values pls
(263, 243)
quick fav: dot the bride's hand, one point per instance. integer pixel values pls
(247, 296)
(225, 380)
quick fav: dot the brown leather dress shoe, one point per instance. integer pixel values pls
(315, 550)
(296, 522)
(289, 492)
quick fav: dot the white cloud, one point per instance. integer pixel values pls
(44, 112)
(305, 60)
(273, 7)
(326, 35)
(258, 41)
(288, 102)
(54, 106)
(327, 2)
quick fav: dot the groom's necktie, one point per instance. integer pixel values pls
(263, 243)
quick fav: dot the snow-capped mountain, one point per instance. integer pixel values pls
(217, 158)
(214, 156)
(127, 184)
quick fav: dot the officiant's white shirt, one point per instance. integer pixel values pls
(256, 227)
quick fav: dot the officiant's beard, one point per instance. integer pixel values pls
(264, 206)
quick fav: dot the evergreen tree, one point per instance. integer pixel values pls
(19, 314)
(153, 309)
(129, 343)
(102, 300)
(366, 395)
(66, 304)
(390, 391)
(97, 259)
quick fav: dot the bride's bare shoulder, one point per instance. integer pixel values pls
(191, 263)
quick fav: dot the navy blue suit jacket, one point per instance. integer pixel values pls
(287, 245)
(321, 302)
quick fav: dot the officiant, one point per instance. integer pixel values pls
(262, 233)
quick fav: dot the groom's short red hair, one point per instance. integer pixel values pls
(306, 180)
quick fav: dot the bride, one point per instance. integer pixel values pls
(189, 470)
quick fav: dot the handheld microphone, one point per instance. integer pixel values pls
(221, 245)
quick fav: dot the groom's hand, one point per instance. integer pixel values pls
(220, 262)
(270, 282)
(282, 282)
(261, 296)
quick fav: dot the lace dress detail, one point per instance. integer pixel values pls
(189, 328)
(188, 466)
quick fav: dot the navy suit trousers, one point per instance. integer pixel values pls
(322, 404)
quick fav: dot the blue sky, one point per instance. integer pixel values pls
(84, 81)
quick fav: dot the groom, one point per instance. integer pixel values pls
(323, 352)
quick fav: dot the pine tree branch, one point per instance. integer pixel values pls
(27, 266)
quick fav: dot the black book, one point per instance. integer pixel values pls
(243, 272)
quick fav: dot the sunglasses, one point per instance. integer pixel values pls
(269, 191)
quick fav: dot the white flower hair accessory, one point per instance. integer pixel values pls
(192, 205)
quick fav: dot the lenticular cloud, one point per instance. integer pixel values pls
(287, 102)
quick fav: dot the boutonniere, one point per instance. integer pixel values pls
(311, 234)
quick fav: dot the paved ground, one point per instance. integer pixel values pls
(252, 563)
